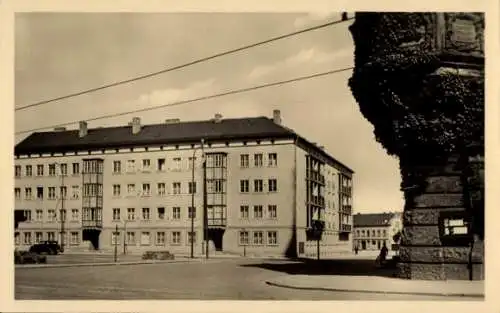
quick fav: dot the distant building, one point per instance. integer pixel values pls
(371, 231)
(265, 187)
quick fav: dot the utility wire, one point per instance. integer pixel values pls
(226, 93)
(130, 80)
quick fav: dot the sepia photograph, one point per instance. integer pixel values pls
(249, 156)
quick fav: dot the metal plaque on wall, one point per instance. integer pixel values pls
(464, 34)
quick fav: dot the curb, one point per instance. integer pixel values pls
(98, 264)
(474, 295)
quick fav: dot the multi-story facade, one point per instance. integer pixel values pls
(264, 184)
(371, 231)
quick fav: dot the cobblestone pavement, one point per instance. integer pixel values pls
(226, 279)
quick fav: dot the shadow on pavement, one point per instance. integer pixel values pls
(350, 267)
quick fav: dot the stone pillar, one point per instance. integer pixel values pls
(419, 79)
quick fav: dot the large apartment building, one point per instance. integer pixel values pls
(265, 185)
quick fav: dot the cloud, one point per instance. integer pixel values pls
(313, 17)
(311, 56)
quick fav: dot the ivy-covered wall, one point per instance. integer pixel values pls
(424, 94)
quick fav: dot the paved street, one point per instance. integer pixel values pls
(223, 279)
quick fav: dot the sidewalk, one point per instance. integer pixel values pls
(17, 266)
(374, 284)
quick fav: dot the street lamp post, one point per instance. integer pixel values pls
(124, 237)
(63, 196)
(205, 210)
(192, 198)
(116, 242)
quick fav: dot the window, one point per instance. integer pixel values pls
(243, 238)
(160, 238)
(74, 215)
(117, 167)
(52, 170)
(258, 159)
(258, 238)
(64, 169)
(131, 238)
(146, 190)
(51, 215)
(146, 165)
(75, 238)
(272, 211)
(17, 238)
(116, 190)
(218, 160)
(39, 215)
(161, 165)
(272, 159)
(244, 185)
(51, 236)
(368, 233)
(257, 211)
(218, 185)
(378, 232)
(29, 170)
(244, 160)
(131, 189)
(176, 237)
(191, 162)
(131, 214)
(17, 193)
(63, 192)
(191, 237)
(146, 214)
(38, 237)
(176, 164)
(192, 187)
(244, 211)
(27, 238)
(17, 170)
(116, 214)
(76, 168)
(63, 214)
(373, 233)
(176, 188)
(384, 232)
(191, 212)
(145, 238)
(176, 213)
(272, 238)
(75, 192)
(161, 213)
(27, 214)
(115, 238)
(27, 193)
(39, 170)
(130, 166)
(273, 185)
(52, 193)
(161, 189)
(257, 185)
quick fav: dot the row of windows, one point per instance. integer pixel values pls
(271, 237)
(378, 233)
(27, 237)
(258, 185)
(39, 215)
(258, 160)
(40, 168)
(146, 238)
(258, 211)
(161, 213)
(61, 191)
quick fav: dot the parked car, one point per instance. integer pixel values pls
(26, 257)
(46, 247)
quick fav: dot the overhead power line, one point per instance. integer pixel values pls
(182, 102)
(130, 80)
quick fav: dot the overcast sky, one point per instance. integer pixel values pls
(60, 53)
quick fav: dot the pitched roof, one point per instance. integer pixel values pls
(167, 133)
(373, 219)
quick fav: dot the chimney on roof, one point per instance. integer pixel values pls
(83, 130)
(59, 129)
(217, 118)
(136, 125)
(277, 117)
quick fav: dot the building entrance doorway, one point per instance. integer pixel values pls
(363, 245)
